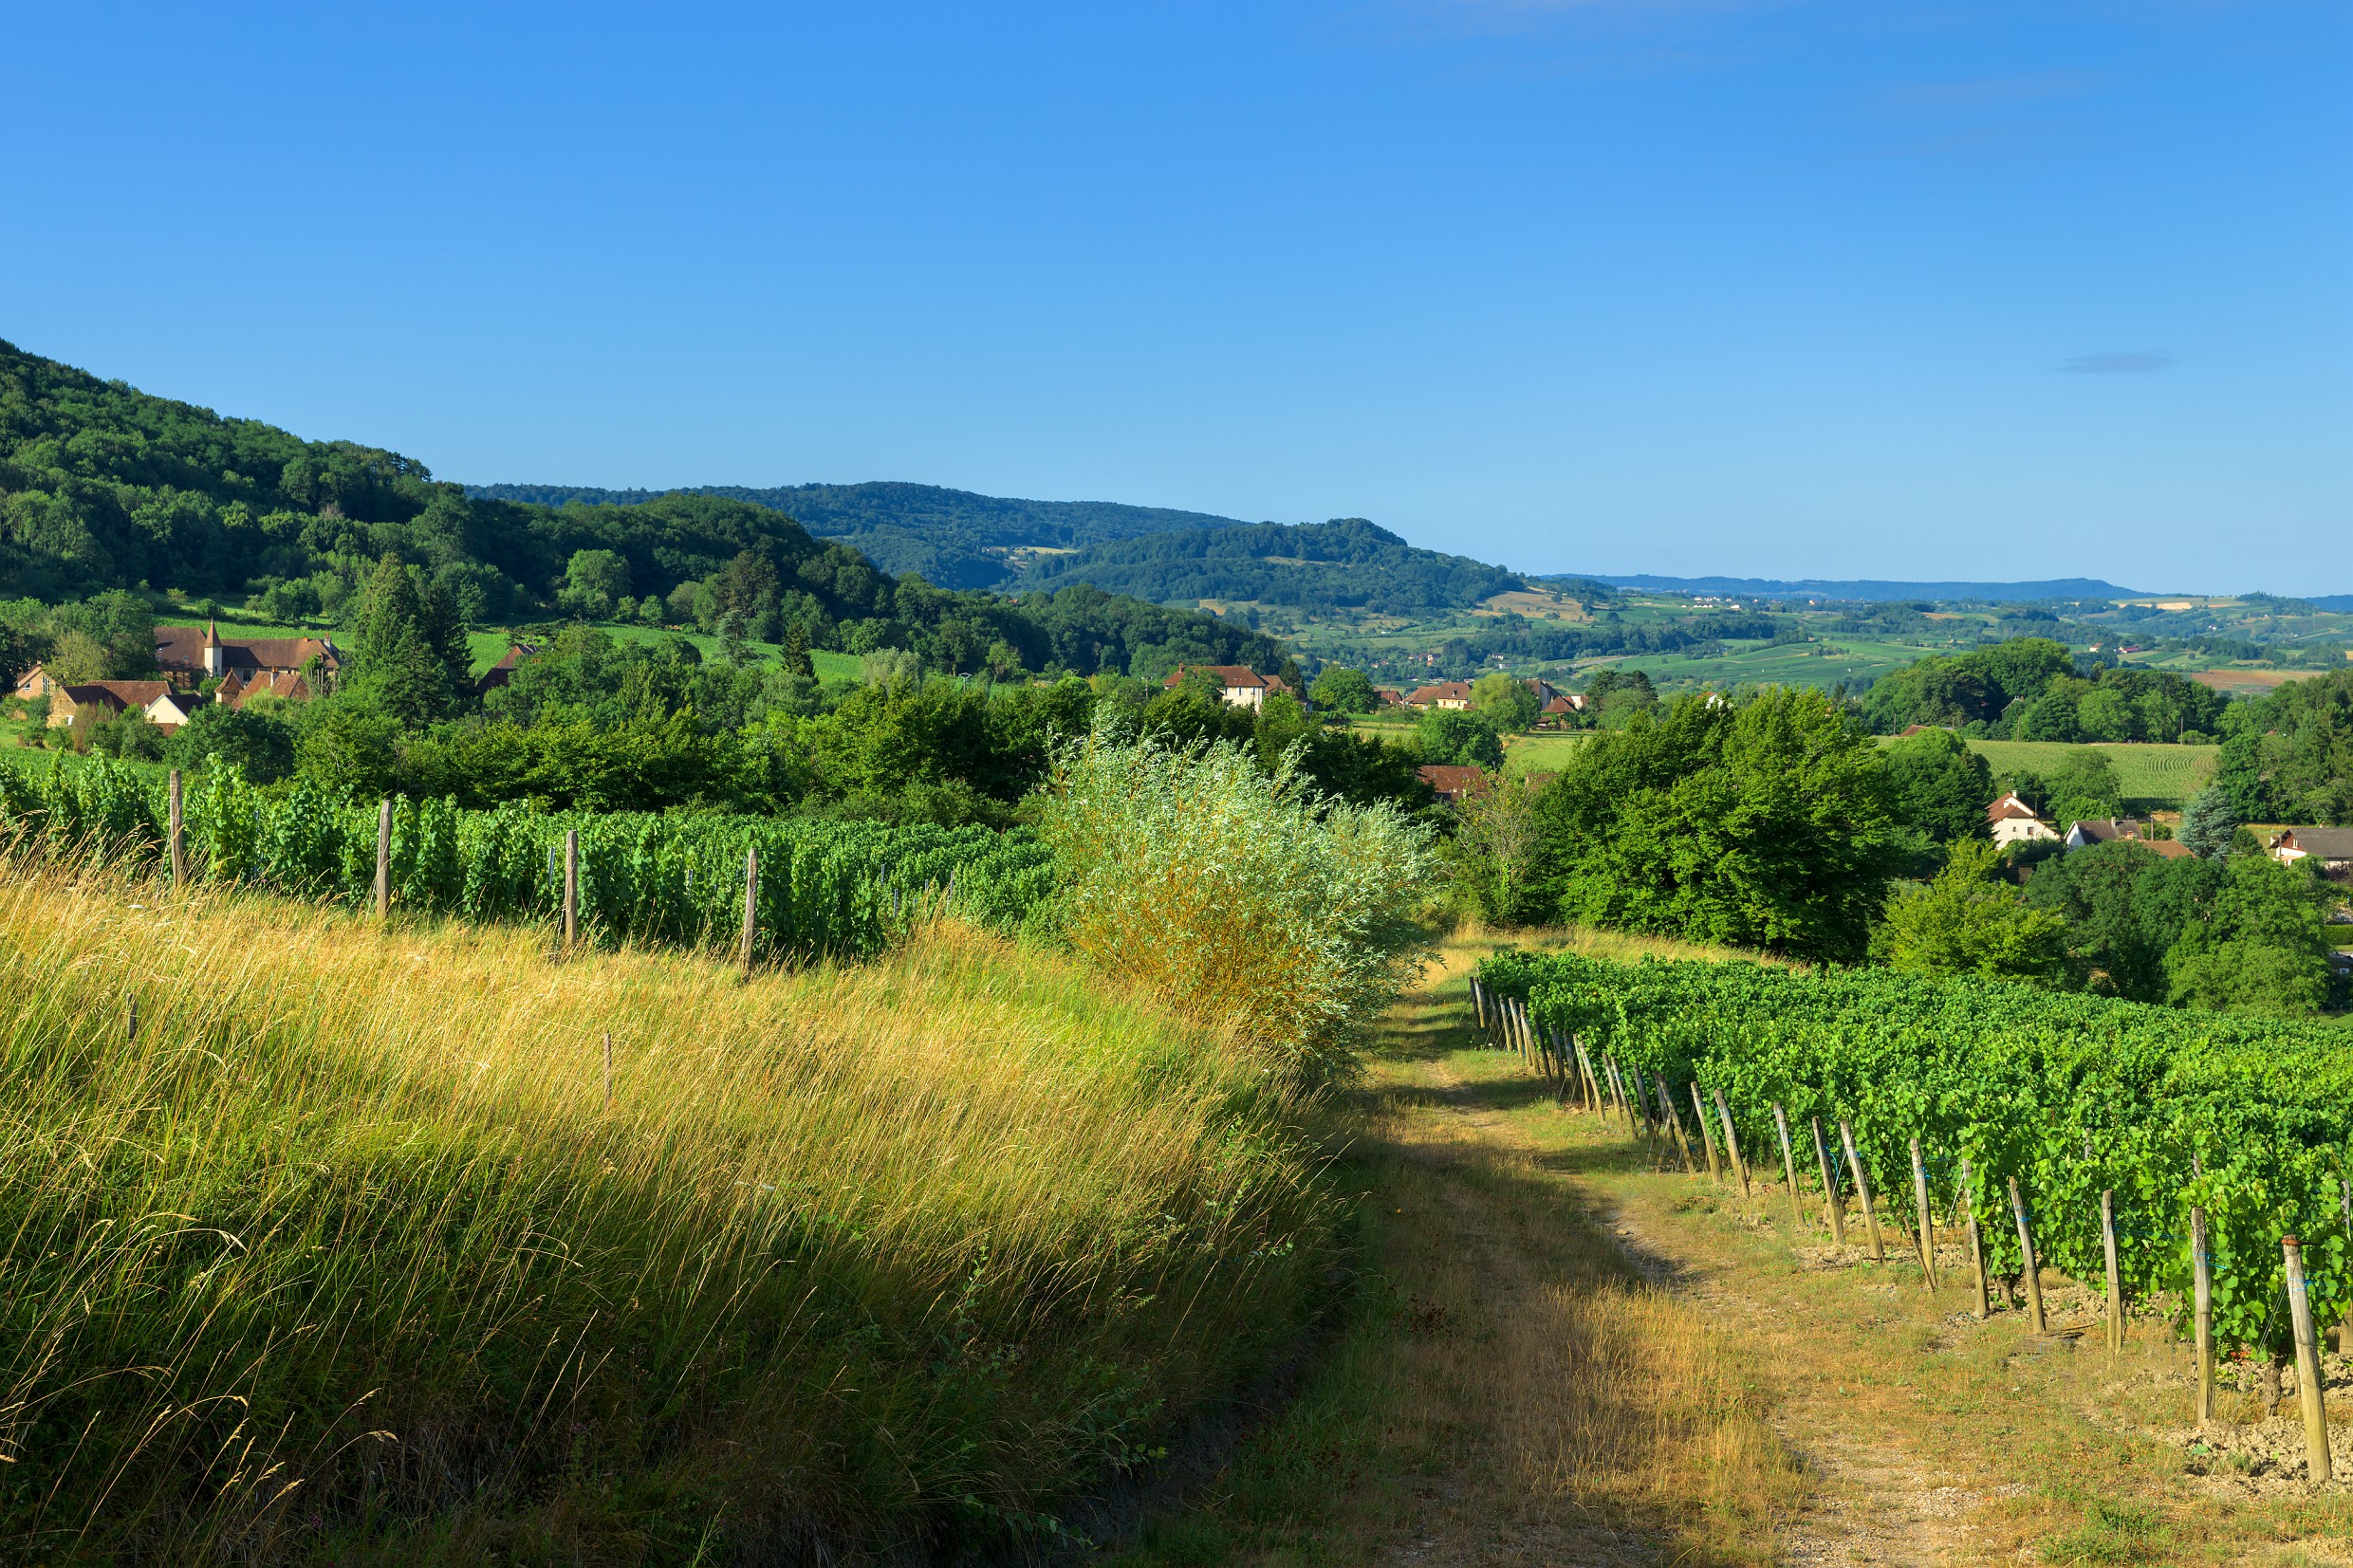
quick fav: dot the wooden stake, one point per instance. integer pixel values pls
(180, 847)
(1862, 1194)
(2344, 1324)
(1731, 1143)
(1682, 1144)
(608, 1071)
(1976, 1243)
(2115, 1283)
(2317, 1467)
(1788, 1165)
(1928, 1223)
(1699, 1114)
(383, 860)
(2203, 1271)
(130, 1029)
(752, 904)
(571, 889)
(1478, 1002)
(1831, 1206)
(2026, 1252)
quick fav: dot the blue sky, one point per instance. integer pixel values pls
(1879, 290)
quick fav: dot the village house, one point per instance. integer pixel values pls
(81, 704)
(2010, 821)
(2107, 830)
(1241, 686)
(187, 656)
(500, 673)
(2332, 847)
(1446, 693)
(1453, 782)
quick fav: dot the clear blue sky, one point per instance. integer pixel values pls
(1838, 289)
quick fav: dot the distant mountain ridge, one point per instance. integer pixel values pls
(1762, 587)
(1345, 564)
(951, 539)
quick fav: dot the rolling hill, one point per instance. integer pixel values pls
(1344, 565)
(951, 539)
(1867, 590)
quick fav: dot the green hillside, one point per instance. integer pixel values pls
(1344, 565)
(103, 486)
(952, 537)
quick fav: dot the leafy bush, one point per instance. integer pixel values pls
(1239, 896)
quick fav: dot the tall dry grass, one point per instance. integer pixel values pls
(344, 1251)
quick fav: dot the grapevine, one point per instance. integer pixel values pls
(2072, 1094)
(674, 880)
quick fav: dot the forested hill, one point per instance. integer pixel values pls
(953, 538)
(1865, 591)
(104, 487)
(1346, 564)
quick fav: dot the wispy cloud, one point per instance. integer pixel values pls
(2124, 361)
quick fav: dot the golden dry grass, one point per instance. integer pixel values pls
(346, 1246)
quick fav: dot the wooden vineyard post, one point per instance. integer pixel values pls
(1976, 1245)
(1731, 1143)
(1699, 1112)
(2202, 1273)
(608, 1071)
(383, 860)
(1478, 1002)
(179, 845)
(571, 889)
(1682, 1142)
(752, 904)
(1862, 1194)
(1928, 1223)
(1618, 1087)
(2026, 1252)
(2317, 1468)
(2115, 1283)
(1830, 1202)
(2344, 1324)
(1788, 1165)
(1593, 1084)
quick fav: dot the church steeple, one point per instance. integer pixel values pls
(212, 660)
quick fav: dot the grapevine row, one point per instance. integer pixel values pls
(674, 879)
(2070, 1095)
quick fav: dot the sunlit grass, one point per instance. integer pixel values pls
(345, 1246)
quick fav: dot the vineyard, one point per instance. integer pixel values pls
(824, 888)
(2076, 1099)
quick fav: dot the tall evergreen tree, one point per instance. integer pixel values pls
(409, 645)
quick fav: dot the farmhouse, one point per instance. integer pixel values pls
(2330, 847)
(2012, 821)
(85, 703)
(1455, 783)
(1446, 693)
(186, 655)
(500, 673)
(1238, 683)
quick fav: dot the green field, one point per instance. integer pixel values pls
(2153, 776)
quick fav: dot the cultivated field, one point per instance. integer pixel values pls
(2152, 776)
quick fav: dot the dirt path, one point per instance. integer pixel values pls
(1563, 1356)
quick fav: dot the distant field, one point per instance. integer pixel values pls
(1546, 753)
(1825, 663)
(2151, 775)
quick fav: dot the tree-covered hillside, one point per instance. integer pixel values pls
(1347, 564)
(952, 537)
(103, 486)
